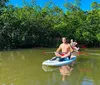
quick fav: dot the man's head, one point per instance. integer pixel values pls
(64, 40)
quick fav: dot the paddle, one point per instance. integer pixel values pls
(83, 53)
(48, 52)
(52, 52)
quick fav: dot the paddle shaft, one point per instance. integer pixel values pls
(54, 52)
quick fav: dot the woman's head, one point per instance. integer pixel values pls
(71, 40)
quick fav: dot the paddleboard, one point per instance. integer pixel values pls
(58, 63)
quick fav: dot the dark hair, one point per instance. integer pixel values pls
(64, 37)
(67, 41)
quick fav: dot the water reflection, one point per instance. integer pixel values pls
(87, 81)
(65, 71)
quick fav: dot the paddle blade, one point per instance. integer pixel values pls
(82, 53)
(43, 52)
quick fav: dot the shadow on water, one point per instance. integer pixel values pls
(24, 67)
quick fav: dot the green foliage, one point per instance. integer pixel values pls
(3, 2)
(33, 26)
(95, 5)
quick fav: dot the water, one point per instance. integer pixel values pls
(24, 67)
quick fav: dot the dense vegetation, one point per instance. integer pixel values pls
(35, 26)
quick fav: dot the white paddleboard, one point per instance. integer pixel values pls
(58, 63)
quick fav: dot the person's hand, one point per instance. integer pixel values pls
(56, 53)
(75, 43)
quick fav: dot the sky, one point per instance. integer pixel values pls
(85, 4)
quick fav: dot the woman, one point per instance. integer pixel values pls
(73, 45)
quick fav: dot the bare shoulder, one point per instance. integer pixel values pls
(68, 45)
(61, 45)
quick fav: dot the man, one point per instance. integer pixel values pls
(66, 49)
